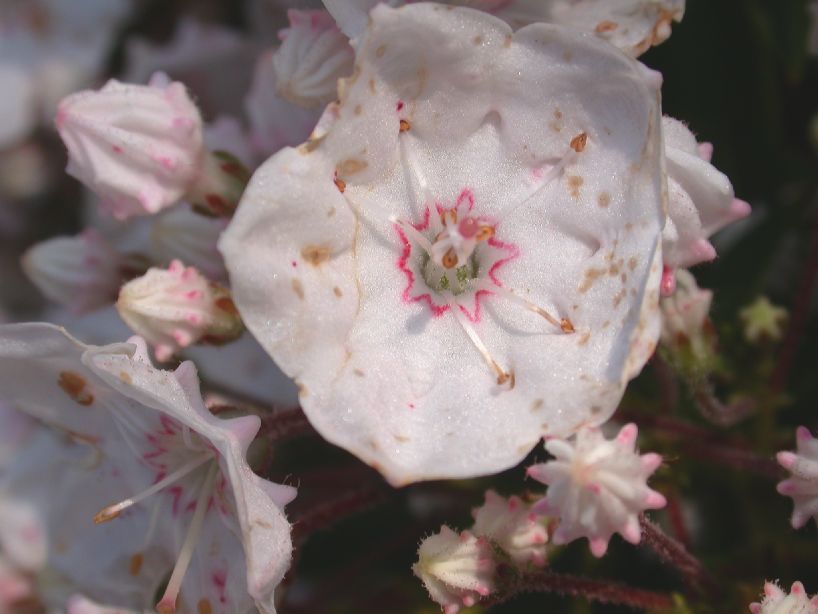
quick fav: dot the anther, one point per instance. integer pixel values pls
(563, 324)
(450, 259)
(566, 326)
(404, 125)
(340, 184)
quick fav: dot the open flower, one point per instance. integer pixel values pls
(803, 485)
(597, 487)
(456, 267)
(511, 524)
(219, 521)
(631, 25)
(777, 601)
(456, 569)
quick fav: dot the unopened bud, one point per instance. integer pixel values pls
(81, 272)
(177, 307)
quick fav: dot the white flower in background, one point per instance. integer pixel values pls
(81, 272)
(175, 307)
(180, 233)
(802, 486)
(215, 62)
(511, 524)
(294, 83)
(219, 521)
(778, 601)
(597, 487)
(456, 569)
(631, 25)
(48, 49)
(455, 268)
(139, 147)
(701, 199)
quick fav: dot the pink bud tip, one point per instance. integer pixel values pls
(627, 435)
(770, 589)
(802, 433)
(668, 284)
(739, 209)
(797, 588)
(482, 590)
(468, 601)
(655, 500)
(704, 250)
(651, 461)
(451, 609)
(599, 546)
(594, 488)
(786, 459)
(706, 151)
(755, 608)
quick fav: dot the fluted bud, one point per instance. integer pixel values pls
(313, 55)
(514, 527)
(177, 307)
(139, 147)
(687, 331)
(456, 569)
(81, 272)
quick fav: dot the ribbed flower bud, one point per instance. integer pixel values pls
(81, 272)
(687, 331)
(139, 147)
(457, 570)
(511, 524)
(778, 601)
(177, 307)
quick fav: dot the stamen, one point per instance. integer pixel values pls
(413, 234)
(167, 605)
(563, 324)
(576, 146)
(413, 172)
(449, 259)
(112, 511)
(502, 375)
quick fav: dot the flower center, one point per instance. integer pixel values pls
(457, 255)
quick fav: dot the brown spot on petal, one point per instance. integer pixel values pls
(606, 26)
(204, 607)
(358, 109)
(340, 184)
(298, 288)
(579, 142)
(135, 564)
(574, 184)
(404, 125)
(618, 298)
(604, 199)
(584, 338)
(380, 51)
(315, 254)
(595, 409)
(125, 377)
(372, 86)
(351, 166)
(591, 275)
(400, 438)
(537, 404)
(74, 385)
(567, 56)
(632, 262)
(358, 372)
(337, 292)
(507, 42)
(566, 326)
(478, 40)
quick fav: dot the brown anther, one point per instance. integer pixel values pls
(450, 259)
(579, 141)
(506, 378)
(74, 385)
(606, 26)
(404, 125)
(105, 515)
(566, 325)
(484, 233)
(340, 184)
(451, 213)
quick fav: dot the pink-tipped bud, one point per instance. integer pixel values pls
(139, 147)
(176, 307)
(512, 526)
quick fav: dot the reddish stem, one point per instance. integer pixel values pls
(676, 555)
(599, 591)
